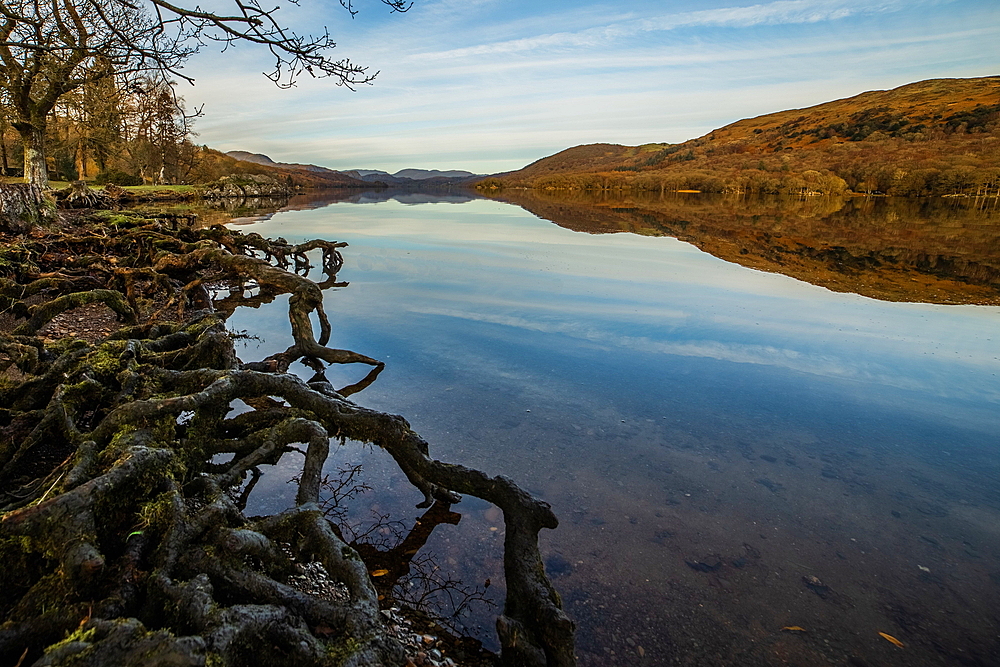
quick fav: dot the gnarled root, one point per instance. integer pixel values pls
(122, 530)
(80, 195)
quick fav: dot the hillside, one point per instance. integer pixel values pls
(933, 137)
(304, 175)
(580, 159)
(354, 177)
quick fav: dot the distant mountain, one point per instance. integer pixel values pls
(377, 176)
(414, 176)
(306, 175)
(367, 172)
(256, 158)
(424, 174)
(940, 136)
(362, 176)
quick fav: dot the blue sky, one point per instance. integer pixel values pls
(491, 85)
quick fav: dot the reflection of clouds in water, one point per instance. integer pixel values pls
(906, 346)
(498, 265)
(790, 359)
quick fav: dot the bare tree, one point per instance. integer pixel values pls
(49, 48)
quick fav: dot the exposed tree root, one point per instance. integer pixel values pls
(80, 195)
(123, 536)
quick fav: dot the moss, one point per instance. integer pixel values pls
(160, 432)
(19, 555)
(82, 392)
(65, 345)
(339, 651)
(117, 218)
(17, 260)
(82, 634)
(8, 385)
(156, 513)
(15, 549)
(179, 189)
(126, 505)
(128, 509)
(106, 359)
(50, 594)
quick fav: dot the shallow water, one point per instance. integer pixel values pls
(709, 434)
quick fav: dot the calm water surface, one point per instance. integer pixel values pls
(711, 436)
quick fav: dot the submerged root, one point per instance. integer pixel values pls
(122, 531)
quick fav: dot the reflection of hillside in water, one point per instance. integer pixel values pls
(248, 210)
(930, 250)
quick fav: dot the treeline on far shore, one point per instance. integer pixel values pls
(919, 183)
(872, 179)
(751, 181)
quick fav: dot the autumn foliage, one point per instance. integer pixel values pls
(936, 137)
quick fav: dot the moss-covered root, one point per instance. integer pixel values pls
(124, 642)
(534, 629)
(43, 314)
(122, 529)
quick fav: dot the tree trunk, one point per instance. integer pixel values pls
(3, 145)
(81, 160)
(3, 151)
(22, 207)
(33, 138)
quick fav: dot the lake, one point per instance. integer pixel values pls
(770, 428)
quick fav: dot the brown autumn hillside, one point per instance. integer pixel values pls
(897, 249)
(213, 164)
(935, 137)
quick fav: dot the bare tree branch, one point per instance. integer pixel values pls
(49, 48)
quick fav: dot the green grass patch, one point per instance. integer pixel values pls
(181, 189)
(59, 185)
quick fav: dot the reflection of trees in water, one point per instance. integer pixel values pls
(246, 205)
(938, 250)
(917, 209)
(403, 572)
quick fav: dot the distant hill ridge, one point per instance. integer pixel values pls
(940, 136)
(363, 176)
(304, 175)
(424, 174)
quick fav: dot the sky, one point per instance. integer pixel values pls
(493, 85)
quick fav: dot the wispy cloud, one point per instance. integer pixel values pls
(780, 12)
(491, 86)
